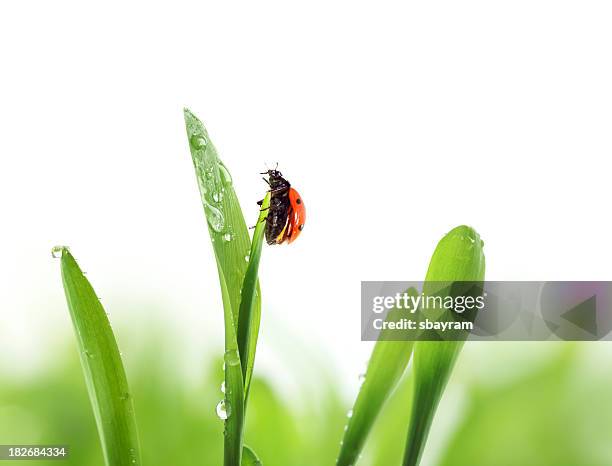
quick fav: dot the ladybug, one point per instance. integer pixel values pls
(286, 214)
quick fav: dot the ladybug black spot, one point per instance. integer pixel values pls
(299, 201)
(301, 227)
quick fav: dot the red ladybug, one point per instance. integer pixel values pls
(287, 214)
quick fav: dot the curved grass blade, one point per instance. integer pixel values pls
(104, 373)
(234, 387)
(227, 228)
(249, 458)
(458, 257)
(246, 315)
(387, 364)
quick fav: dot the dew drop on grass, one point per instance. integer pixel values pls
(89, 355)
(57, 252)
(133, 455)
(226, 178)
(247, 257)
(232, 357)
(214, 217)
(125, 396)
(227, 237)
(349, 414)
(362, 378)
(198, 142)
(223, 410)
(223, 387)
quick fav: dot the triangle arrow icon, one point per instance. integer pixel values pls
(584, 315)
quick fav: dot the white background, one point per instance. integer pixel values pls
(396, 121)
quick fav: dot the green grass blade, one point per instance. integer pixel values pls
(104, 373)
(226, 225)
(249, 299)
(234, 386)
(231, 245)
(249, 458)
(387, 364)
(458, 257)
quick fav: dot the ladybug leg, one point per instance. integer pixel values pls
(277, 190)
(266, 180)
(259, 203)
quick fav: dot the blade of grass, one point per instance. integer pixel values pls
(458, 257)
(226, 225)
(249, 458)
(104, 373)
(387, 364)
(234, 386)
(249, 299)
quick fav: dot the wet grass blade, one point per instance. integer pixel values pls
(226, 224)
(232, 245)
(233, 404)
(101, 361)
(387, 364)
(247, 316)
(458, 257)
(249, 458)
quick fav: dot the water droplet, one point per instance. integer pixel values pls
(125, 396)
(349, 414)
(223, 387)
(362, 378)
(199, 142)
(247, 257)
(216, 197)
(223, 410)
(232, 358)
(226, 178)
(214, 217)
(227, 237)
(58, 251)
(89, 355)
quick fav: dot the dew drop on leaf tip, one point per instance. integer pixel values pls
(57, 251)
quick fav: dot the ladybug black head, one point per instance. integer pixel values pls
(273, 174)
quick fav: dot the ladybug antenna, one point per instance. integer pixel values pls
(276, 168)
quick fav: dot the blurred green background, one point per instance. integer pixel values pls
(507, 404)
